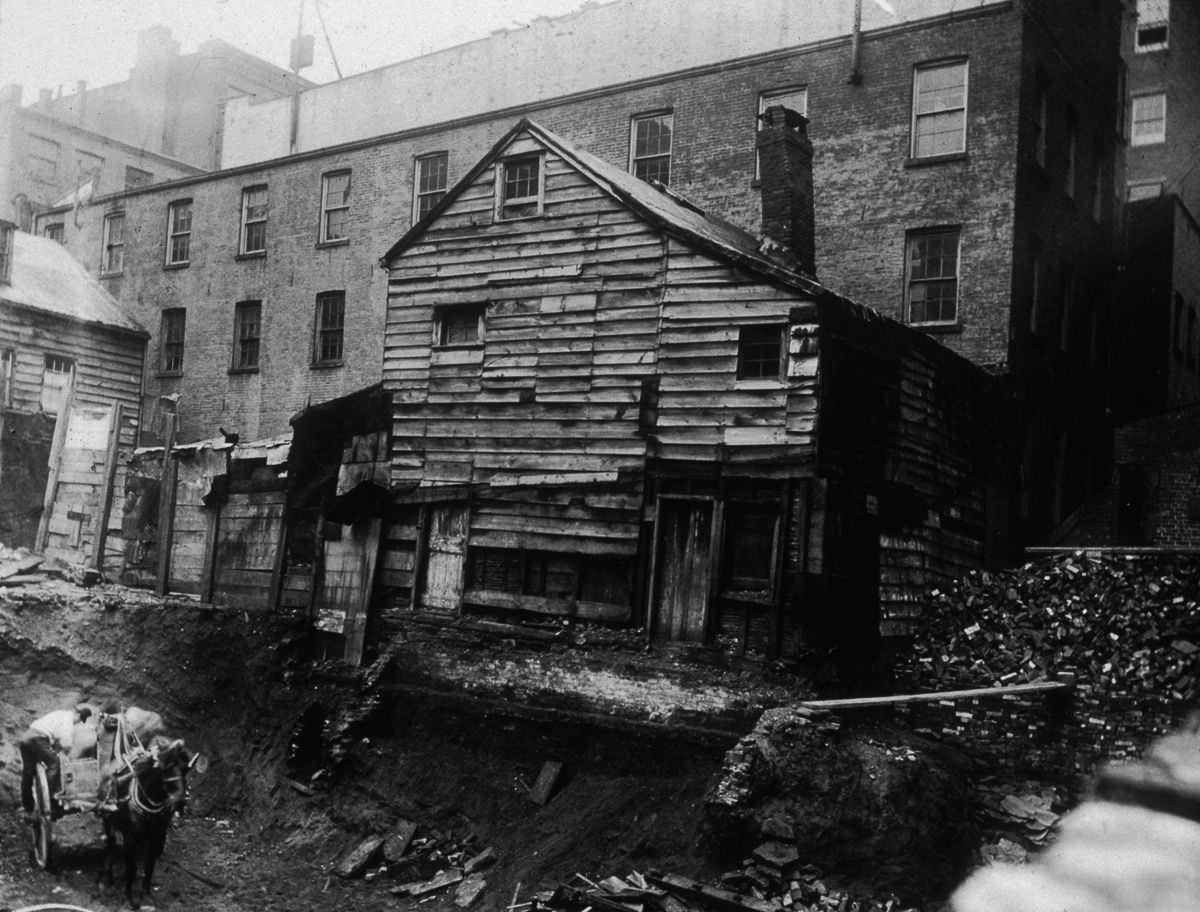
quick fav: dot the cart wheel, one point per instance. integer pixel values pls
(43, 820)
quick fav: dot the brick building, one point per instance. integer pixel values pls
(164, 122)
(964, 172)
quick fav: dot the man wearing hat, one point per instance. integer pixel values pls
(42, 742)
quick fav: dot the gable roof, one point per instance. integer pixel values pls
(658, 206)
(46, 277)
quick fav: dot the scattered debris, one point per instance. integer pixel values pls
(359, 857)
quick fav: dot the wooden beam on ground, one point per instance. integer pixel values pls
(937, 697)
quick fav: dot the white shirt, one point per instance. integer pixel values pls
(58, 726)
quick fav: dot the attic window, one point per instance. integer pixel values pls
(519, 187)
(1153, 19)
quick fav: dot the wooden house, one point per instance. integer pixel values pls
(610, 407)
(70, 396)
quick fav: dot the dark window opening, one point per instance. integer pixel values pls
(173, 327)
(760, 352)
(247, 332)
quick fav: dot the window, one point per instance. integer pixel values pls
(56, 380)
(760, 352)
(1144, 190)
(1071, 153)
(112, 259)
(179, 232)
(254, 221)
(939, 121)
(329, 328)
(1149, 120)
(932, 267)
(795, 98)
(748, 548)
(1039, 136)
(136, 177)
(461, 325)
(8, 360)
(55, 231)
(170, 359)
(41, 162)
(6, 252)
(1153, 17)
(520, 187)
(247, 333)
(430, 183)
(495, 575)
(650, 147)
(335, 206)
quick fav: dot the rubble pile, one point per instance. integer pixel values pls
(1017, 819)
(425, 863)
(1121, 623)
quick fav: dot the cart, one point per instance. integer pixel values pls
(80, 787)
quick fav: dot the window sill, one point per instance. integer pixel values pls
(243, 370)
(935, 160)
(184, 265)
(938, 329)
(340, 242)
(112, 275)
(255, 255)
(760, 383)
(169, 375)
(327, 365)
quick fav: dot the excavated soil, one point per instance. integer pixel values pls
(237, 686)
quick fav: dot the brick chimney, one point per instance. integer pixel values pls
(785, 156)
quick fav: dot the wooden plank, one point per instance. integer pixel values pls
(1043, 687)
(55, 459)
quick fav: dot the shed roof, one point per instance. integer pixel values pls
(46, 277)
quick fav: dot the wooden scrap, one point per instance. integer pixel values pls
(723, 899)
(484, 859)
(356, 859)
(24, 565)
(469, 890)
(439, 881)
(300, 787)
(546, 780)
(23, 579)
(397, 841)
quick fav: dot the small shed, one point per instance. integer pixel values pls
(71, 363)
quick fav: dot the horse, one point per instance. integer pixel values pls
(149, 791)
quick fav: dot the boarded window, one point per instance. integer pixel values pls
(550, 575)
(939, 119)
(56, 379)
(41, 161)
(650, 146)
(430, 182)
(330, 328)
(932, 276)
(174, 322)
(247, 334)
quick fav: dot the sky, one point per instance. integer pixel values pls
(55, 43)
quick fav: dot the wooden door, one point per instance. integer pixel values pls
(445, 558)
(684, 569)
